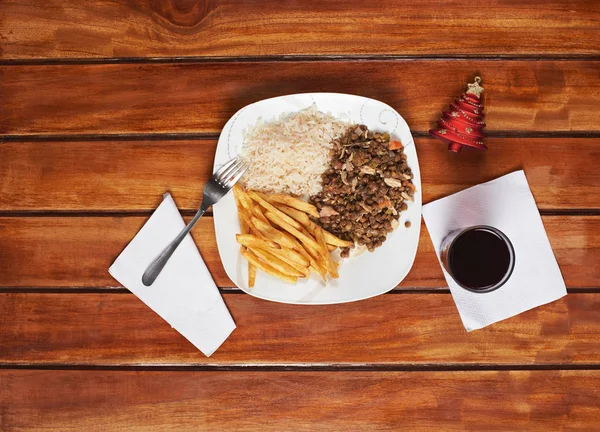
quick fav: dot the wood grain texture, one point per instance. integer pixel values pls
(145, 28)
(132, 175)
(74, 252)
(304, 401)
(393, 329)
(201, 97)
(237, 49)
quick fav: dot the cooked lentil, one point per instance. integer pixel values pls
(364, 188)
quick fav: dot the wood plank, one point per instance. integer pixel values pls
(300, 401)
(395, 329)
(74, 252)
(201, 97)
(132, 175)
(145, 28)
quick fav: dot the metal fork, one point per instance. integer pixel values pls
(217, 187)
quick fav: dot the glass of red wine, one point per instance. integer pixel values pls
(479, 258)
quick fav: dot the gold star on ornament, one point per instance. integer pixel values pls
(469, 130)
(454, 114)
(475, 88)
(476, 111)
(443, 131)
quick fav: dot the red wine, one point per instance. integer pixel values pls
(480, 259)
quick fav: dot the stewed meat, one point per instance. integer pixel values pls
(364, 188)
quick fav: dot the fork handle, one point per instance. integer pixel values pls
(161, 260)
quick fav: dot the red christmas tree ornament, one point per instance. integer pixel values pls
(462, 123)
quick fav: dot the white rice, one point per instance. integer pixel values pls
(289, 154)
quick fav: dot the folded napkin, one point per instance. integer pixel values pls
(184, 294)
(507, 204)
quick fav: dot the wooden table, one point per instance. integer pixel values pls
(105, 105)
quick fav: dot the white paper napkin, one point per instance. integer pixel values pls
(507, 204)
(184, 294)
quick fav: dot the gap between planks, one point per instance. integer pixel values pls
(306, 367)
(295, 58)
(230, 290)
(179, 136)
(190, 213)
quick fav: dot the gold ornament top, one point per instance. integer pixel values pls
(475, 88)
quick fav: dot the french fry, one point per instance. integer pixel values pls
(244, 229)
(252, 227)
(256, 211)
(287, 256)
(336, 241)
(237, 190)
(307, 233)
(242, 197)
(322, 264)
(251, 274)
(314, 265)
(273, 234)
(281, 252)
(329, 263)
(330, 238)
(304, 270)
(254, 260)
(245, 217)
(251, 271)
(278, 237)
(258, 198)
(304, 220)
(251, 240)
(298, 215)
(275, 262)
(314, 252)
(296, 203)
(245, 205)
(283, 256)
(318, 261)
(274, 218)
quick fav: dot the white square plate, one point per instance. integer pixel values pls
(362, 276)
